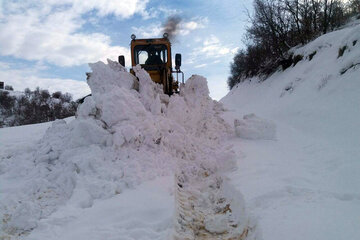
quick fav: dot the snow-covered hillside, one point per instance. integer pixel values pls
(305, 184)
(289, 144)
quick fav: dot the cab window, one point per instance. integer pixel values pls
(150, 54)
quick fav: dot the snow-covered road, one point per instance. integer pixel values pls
(298, 187)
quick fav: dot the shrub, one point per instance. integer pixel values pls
(9, 88)
(57, 95)
(286, 62)
(312, 55)
(341, 51)
(297, 59)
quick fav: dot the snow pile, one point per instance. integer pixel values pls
(253, 127)
(120, 138)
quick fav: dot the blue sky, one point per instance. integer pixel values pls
(48, 43)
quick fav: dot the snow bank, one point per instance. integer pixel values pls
(120, 138)
(253, 127)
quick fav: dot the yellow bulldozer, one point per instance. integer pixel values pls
(154, 55)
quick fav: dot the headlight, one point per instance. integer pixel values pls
(165, 35)
(133, 37)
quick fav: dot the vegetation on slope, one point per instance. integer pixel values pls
(34, 107)
(279, 25)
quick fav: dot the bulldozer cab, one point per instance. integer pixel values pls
(154, 55)
(149, 55)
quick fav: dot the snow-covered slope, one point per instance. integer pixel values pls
(304, 184)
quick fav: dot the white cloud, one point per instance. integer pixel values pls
(235, 50)
(184, 28)
(211, 49)
(4, 65)
(188, 26)
(122, 9)
(50, 30)
(200, 65)
(155, 12)
(27, 78)
(1, 10)
(153, 30)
